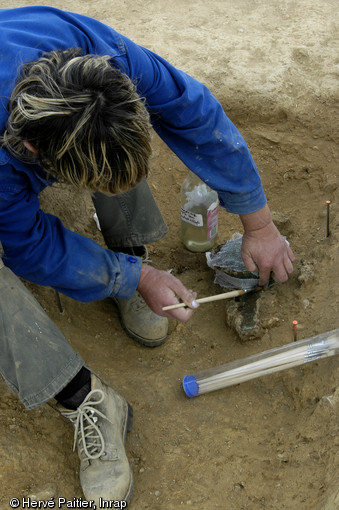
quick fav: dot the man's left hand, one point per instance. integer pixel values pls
(264, 249)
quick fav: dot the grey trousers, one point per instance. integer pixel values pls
(131, 218)
(36, 360)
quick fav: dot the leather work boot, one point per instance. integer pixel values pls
(101, 423)
(137, 319)
(140, 323)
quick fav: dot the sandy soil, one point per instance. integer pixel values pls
(270, 443)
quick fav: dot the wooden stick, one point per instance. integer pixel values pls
(272, 363)
(225, 295)
(268, 362)
(59, 302)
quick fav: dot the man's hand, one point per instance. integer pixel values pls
(159, 289)
(264, 249)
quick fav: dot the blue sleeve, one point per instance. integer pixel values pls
(184, 112)
(193, 124)
(41, 250)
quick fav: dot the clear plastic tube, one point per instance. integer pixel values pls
(267, 362)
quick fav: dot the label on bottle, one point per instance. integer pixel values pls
(190, 217)
(212, 221)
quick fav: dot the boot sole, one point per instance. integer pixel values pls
(129, 422)
(139, 339)
(128, 428)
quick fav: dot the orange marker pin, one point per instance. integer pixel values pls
(295, 325)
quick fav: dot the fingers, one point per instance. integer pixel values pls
(263, 269)
(249, 263)
(264, 276)
(271, 258)
(290, 254)
(160, 288)
(180, 314)
(282, 270)
(182, 295)
(288, 262)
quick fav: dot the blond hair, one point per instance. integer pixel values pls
(85, 119)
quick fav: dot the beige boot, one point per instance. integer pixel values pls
(140, 323)
(101, 423)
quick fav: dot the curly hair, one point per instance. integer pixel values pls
(84, 117)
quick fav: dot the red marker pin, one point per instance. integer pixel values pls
(295, 325)
(328, 217)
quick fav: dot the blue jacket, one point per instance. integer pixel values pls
(183, 112)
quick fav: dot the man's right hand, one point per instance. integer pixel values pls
(160, 288)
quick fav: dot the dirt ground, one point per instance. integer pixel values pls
(270, 443)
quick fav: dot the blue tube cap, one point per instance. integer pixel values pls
(190, 385)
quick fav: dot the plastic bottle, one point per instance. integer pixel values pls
(199, 214)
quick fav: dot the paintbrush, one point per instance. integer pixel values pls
(216, 297)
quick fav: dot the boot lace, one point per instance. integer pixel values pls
(91, 442)
(138, 302)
